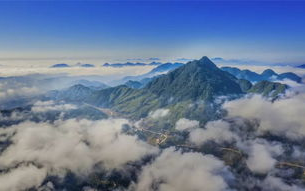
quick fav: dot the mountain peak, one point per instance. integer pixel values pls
(198, 79)
(61, 65)
(205, 62)
(269, 73)
(301, 66)
(205, 58)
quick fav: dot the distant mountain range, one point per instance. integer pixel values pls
(165, 68)
(85, 65)
(74, 93)
(301, 66)
(197, 81)
(62, 65)
(268, 75)
(91, 84)
(147, 77)
(119, 65)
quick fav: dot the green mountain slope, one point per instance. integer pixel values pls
(133, 103)
(197, 80)
(270, 89)
(187, 91)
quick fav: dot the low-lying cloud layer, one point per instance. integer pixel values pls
(76, 71)
(44, 106)
(77, 146)
(186, 124)
(217, 131)
(22, 178)
(9, 92)
(177, 171)
(260, 159)
(33, 151)
(262, 137)
(281, 117)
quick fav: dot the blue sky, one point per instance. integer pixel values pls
(266, 31)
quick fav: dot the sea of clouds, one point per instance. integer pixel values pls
(32, 151)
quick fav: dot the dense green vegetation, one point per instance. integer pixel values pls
(188, 91)
(271, 89)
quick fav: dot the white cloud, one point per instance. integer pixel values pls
(289, 82)
(185, 124)
(298, 153)
(260, 159)
(159, 113)
(13, 92)
(218, 131)
(110, 72)
(75, 145)
(176, 171)
(22, 178)
(14, 116)
(281, 117)
(44, 106)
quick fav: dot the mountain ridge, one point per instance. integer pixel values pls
(267, 74)
(198, 81)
